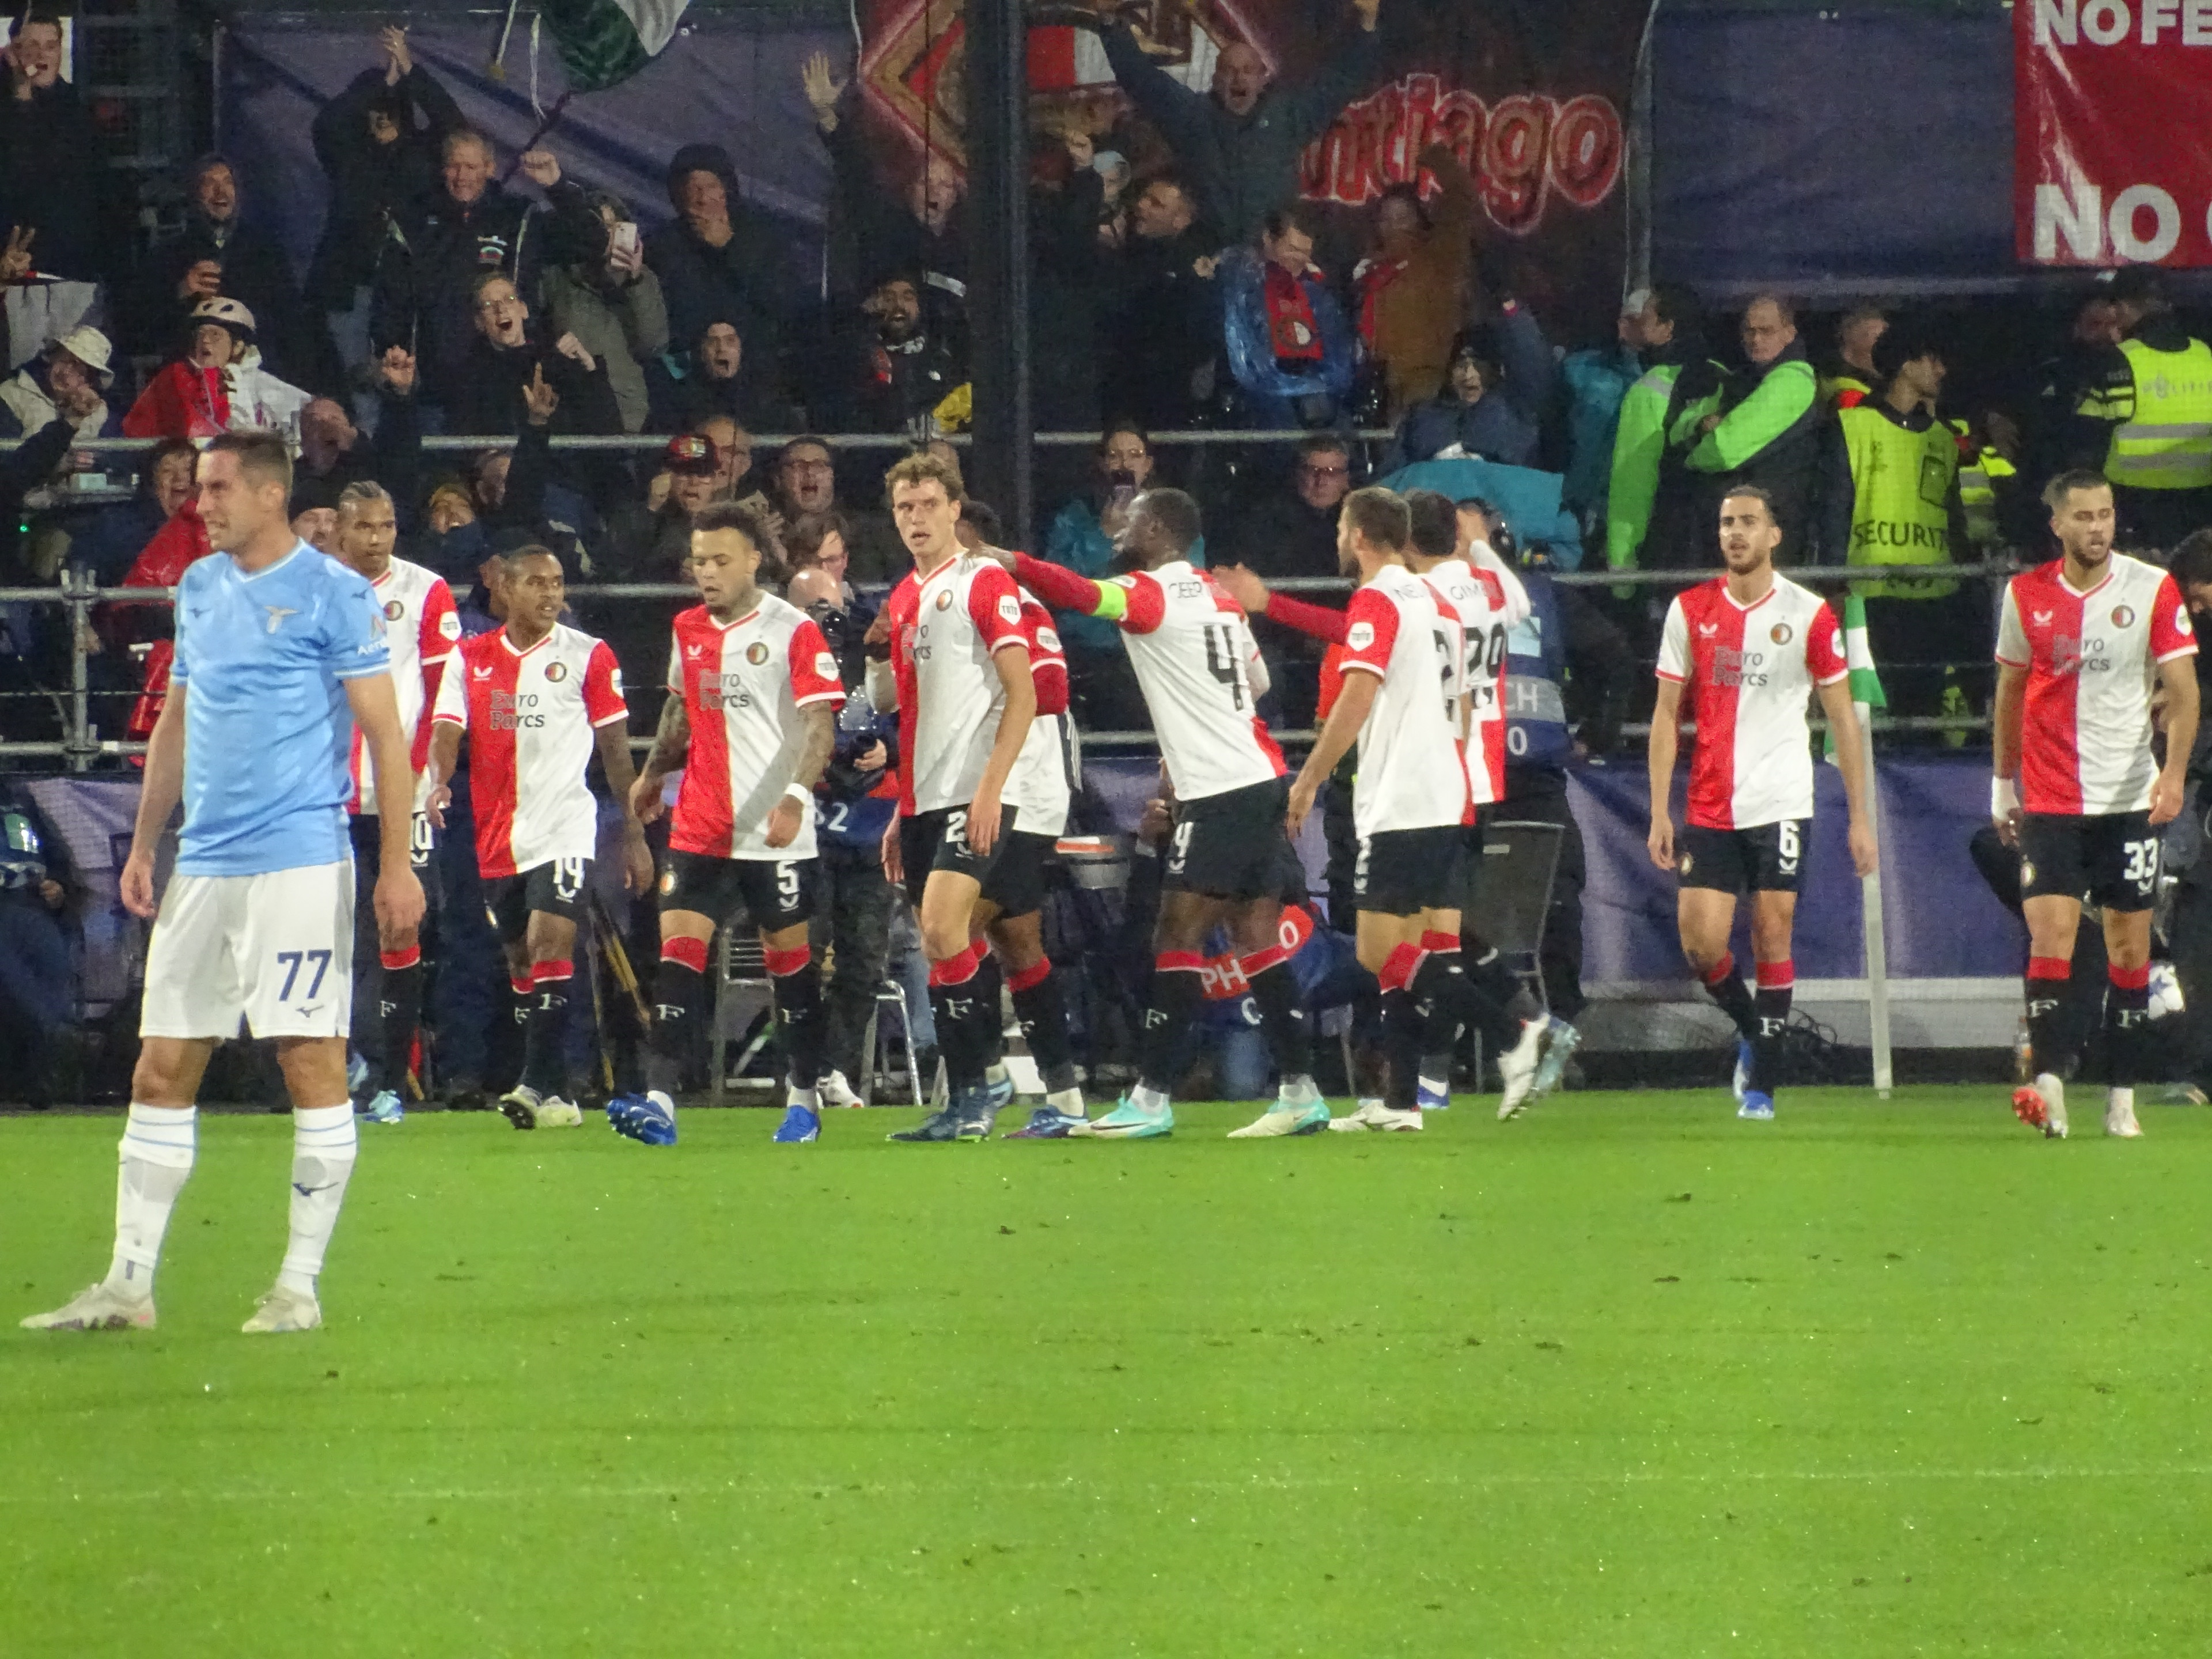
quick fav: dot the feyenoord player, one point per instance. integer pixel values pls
(751, 719)
(1739, 656)
(2079, 642)
(1402, 671)
(958, 673)
(1200, 672)
(536, 698)
(280, 653)
(1039, 790)
(422, 628)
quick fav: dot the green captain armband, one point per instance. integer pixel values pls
(1113, 599)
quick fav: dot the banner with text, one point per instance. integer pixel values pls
(2113, 131)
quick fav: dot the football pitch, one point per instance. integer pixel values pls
(1627, 1377)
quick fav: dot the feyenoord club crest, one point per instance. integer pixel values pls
(2124, 616)
(756, 653)
(944, 600)
(394, 610)
(556, 671)
(2027, 873)
(1780, 634)
(1685, 864)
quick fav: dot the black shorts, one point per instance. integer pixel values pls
(775, 894)
(938, 841)
(1764, 859)
(2111, 859)
(1016, 883)
(1402, 873)
(1232, 845)
(368, 834)
(1467, 879)
(555, 888)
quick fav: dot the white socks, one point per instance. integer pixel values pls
(1151, 1102)
(324, 1145)
(156, 1155)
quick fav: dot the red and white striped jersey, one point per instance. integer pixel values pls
(946, 631)
(530, 716)
(1486, 617)
(423, 630)
(1746, 673)
(742, 683)
(1196, 662)
(1412, 774)
(1047, 659)
(2091, 659)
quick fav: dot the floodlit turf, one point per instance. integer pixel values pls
(1627, 1377)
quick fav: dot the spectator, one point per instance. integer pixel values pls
(1162, 332)
(381, 143)
(1597, 380)
(923, 229)
(597, 290)
(1293, 532)
(892, 371)
(1410, 289)
(2083, 357)
(218, 386)
(1241, 141)
(333, 453)
(1903, 508)
(2145, 417)
(1500, 382)
(1766, 427)
(820, 544)
(652, 544)
(58, 192)
(733, 460)
(1064, 292)
(1082, 537)
(1648, 485)
(715, 261)
(1850, 375)
(111, 543)
(425, 291)
(505, 358)
(219, 253)
(717, 376)
(69, 378)
(38, 983)
(1290, 349)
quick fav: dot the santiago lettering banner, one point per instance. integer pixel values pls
(1531, 95)
(2113, 131)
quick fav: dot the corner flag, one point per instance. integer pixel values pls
(1866, 684)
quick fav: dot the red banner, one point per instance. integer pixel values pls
(2113, 132)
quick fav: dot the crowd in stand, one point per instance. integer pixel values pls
(1176, 285)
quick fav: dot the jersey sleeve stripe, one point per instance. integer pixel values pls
(1674, 680)
(614, 718)
(2179, 651)
(820, 696)
(356, 674)
(1351, 663)
(1840, 675)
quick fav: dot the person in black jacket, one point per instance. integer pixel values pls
(424, 295)
(1162, 332)
(716, 260)
(892, 371)
(220, 253)
(493, 391)
(379, 143)
(57, 184)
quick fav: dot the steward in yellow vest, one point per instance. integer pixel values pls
(2145, 420)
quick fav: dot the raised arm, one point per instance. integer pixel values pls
(1354, 66)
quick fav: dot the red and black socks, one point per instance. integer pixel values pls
(955, 991)
(543, 1067)
(1038, 1010)
(678, 994)
(1723, 987)
(1282, 1017)
(1178, 996)
(795, 987)
(2127, 1022)
(2048, 980)
(399, 1009)
(1778, 982)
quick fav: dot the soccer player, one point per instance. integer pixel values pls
(751, 719)
(422, 628)
(2079, 642)
(1739, 656)
(279, 652)
(958, 673)
(536, 698)
(1038, 789)
(1403, 672)
(1200, 672)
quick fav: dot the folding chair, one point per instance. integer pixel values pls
(875, 1045)
(741, 996)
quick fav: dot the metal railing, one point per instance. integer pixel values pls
(81, 746)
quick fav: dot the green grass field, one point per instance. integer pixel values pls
(1625, 1379)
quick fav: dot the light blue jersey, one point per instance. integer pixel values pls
(268, 731)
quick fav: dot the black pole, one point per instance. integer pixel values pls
(998, 141)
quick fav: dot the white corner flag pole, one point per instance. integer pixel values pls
(1877, 949)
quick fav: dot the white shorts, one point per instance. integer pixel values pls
(276, 948)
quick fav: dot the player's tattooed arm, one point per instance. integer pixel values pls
(670, 744)
(613, 741)
(817, 739)
(1666, 739)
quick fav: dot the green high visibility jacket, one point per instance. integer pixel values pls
(1905, 503)
(1639, 445)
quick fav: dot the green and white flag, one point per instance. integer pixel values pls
(1866, 684)
(605, 41)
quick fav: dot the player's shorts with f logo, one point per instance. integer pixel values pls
(2111, 859)
(276, 948)
(556, 887)
(775, 894)
(1232, 845)
(1768, 858)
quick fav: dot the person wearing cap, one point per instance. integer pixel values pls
(1500, 380)
(2145, 419)
(218, 252)
(1408, 286)
(68, 379)
(1597, 380)
(217, 385)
